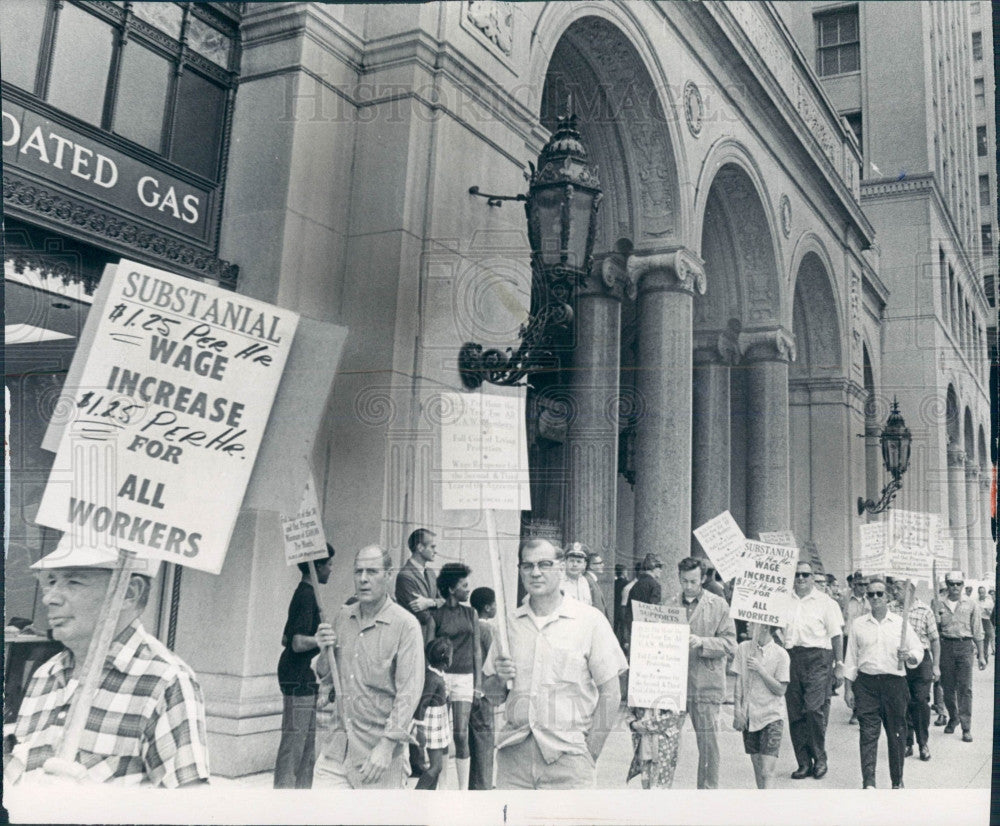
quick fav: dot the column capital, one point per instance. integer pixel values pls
(971, 470)
(776, 344)
(673, 269)
(718, 347)
(607, 275)
(956, 456)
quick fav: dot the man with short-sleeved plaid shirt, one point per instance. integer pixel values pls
(920, 679)
(147, 720)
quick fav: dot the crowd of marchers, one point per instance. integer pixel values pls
(415, 667)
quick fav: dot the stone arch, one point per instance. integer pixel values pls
(952, 419)
(815, 320)
(732, 212)
(625, 114)
(969, 436)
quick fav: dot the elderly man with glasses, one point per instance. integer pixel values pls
(876, 681)
(562, 672)
(961, 629)
(813, 638)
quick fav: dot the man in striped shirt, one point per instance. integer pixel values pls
(147, 720)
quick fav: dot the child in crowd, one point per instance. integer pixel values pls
(761, 667)
(431, 716)
(481, 720)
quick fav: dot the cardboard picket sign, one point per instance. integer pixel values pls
(172, 401)
(302, 532)
(724, 542)
(873, 551)
(786, 538)
(762, 592)
(658, 665)
(647, 612)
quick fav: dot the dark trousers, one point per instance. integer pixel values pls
(938, 704)
(918, 712)
(808, 702)
(956, 680)
(293, 768)
(880, 702)
(481, 744)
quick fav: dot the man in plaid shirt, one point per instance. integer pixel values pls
(147, 722)
(920, 679)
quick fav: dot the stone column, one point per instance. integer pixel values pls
(873, 461)
(956, 504)
(710, 406)
(666, 282)
(766, 354)
(592, 440)
(989, 551)
(972, 518)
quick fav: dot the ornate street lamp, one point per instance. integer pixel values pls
(561, 206)
(895, 440)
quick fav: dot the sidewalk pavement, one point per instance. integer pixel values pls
(953, 764)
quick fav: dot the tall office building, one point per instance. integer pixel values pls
(914, 82)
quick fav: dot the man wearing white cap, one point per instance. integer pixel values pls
(961, 629)
(147, 720)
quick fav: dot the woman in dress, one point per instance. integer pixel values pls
(460, 624)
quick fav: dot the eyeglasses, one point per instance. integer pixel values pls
(802, 575)
(543, 565)
(876, 593)
(959, 584)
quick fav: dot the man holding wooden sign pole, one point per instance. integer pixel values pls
(144, 716)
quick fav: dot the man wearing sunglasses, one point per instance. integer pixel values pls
(562, 669)
(814, 642)
(876, 681)
(960, 624)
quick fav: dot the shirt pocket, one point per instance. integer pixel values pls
(567, 666)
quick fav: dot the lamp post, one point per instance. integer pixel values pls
(561, 207)
(895, 441)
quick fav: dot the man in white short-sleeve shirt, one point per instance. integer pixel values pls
(563, 670)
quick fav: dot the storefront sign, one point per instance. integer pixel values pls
(658, 666)
(484, 453)
(764, 585)
(79, 164)
(161, 430)
(723, 541)
(303, 532)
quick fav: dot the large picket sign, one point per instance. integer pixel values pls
(764, 584)
(872, 557)
(658, 665)
(724, 542)
(162, 427)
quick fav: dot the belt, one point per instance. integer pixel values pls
(955, 639)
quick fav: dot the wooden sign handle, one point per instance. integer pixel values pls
(907, 601)
(331, 657)
(503, 626)
(89, 675)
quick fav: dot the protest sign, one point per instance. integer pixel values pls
(723, 541)
(872, 557)
(174, 393)
(908, 562)
(764, 583)
(646, 612)
(912, 529)
(658, 665)
(303, 532)
(944, 554)
(484, 453)
(786, 538)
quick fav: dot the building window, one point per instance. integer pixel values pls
(977, 45)
(981, 141)
(979, 92)
(986, 233)
(984, 190)
(838, 48)
(974, 8)
(122, 67)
